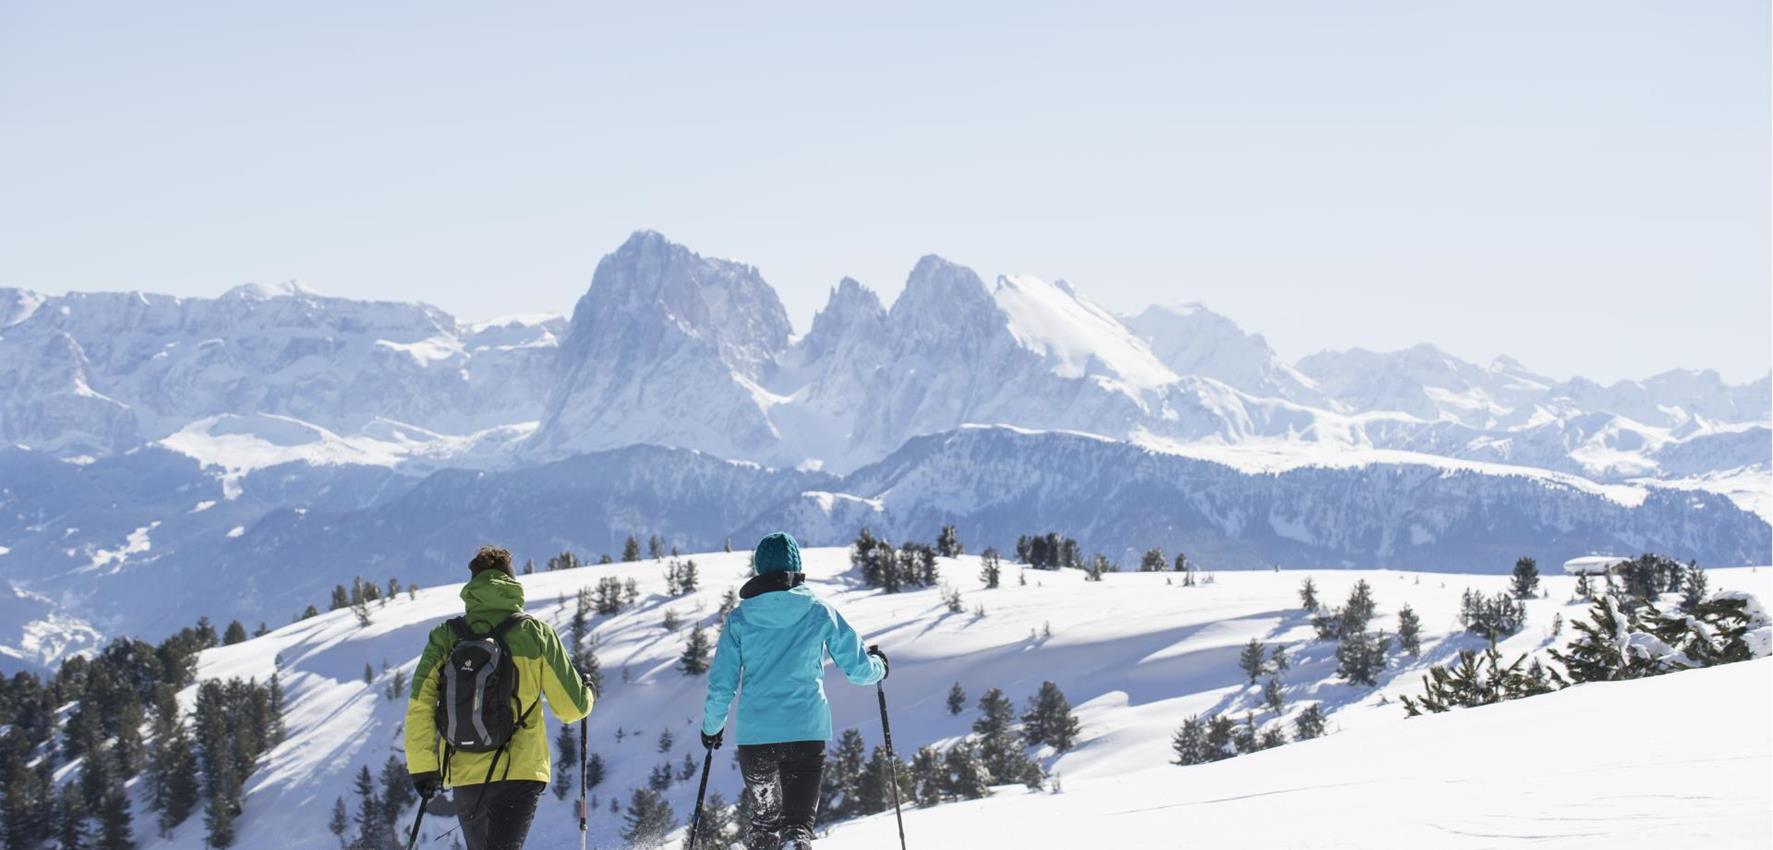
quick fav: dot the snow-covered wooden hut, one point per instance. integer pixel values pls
(1592, 565)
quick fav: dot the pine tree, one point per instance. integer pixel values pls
(1582, 588)
(128, 749)
(1467, 683)
(990, 569)
(370, 821)
(670, 621)
(1309, 724)
(172, 766)
(948, 543)
(1693, 591)
(630, 550)
(999, 746)
(630, 592)
(115, 832)
(1153, 561)
(221, 809)
(1308, 595)
(966, 774)
(687, 770)
(957, 699)
(1359, 609)
(648, 818)
(666, 742)
(720, 827)
(593, 771)
(1190, 742)
(1525, 584)
(566, 760)
(606, 598)
(1251, 659)
(841, 788)
(1277, 658)
(1361, 657)
(234, 634)
(397, 793)
(1409, 631)
(660, 778)
(71, 831)
(928, 777)
(655, 548)
(340, 822)
(1221, 739)
(1049, 719)
(874, 792)
(695, 658)
(1273, 696)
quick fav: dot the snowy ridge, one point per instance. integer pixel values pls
(1135, 654)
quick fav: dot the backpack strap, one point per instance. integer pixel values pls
(459, 626)
(511, 621)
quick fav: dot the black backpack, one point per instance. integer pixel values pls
(476, 701)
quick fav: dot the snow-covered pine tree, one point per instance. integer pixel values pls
(840, 787)
(1693, 589)
(370, 823)
(1250, 661)
(874, 793)
(966, 774)
(1153, 561)
(928, 779)
(1525, 580)
(1308, 595)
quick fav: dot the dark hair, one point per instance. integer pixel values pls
(491, 558)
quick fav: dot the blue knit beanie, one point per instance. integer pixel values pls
(777, 553)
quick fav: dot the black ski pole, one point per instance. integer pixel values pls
(886, 731)
(584, 810)
(412, 838)
(696, 821)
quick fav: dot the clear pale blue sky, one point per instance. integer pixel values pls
(1583, 185)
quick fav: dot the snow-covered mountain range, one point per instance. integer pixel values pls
(273, 441)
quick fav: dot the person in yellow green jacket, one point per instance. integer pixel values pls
(496, 813)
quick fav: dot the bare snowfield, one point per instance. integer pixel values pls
(1679, 761)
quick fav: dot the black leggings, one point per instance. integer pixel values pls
(782, 786)
(496, 816)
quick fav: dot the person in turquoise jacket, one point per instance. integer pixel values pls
(772, 652)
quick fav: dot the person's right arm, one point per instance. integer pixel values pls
(851, 654)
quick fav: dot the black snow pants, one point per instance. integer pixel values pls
(496, 816)
(782, 788)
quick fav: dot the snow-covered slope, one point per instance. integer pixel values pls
(1136, 654)
(1536, 772)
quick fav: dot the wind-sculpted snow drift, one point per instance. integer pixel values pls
(273, 441)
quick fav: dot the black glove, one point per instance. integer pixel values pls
(426, 783)
(874, 650)
(714, 741)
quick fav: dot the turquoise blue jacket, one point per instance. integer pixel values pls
(773, 649)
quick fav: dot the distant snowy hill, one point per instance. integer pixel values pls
(138, 541)
(1135, 654)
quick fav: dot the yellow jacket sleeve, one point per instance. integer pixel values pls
(421, 705)
(567, 695)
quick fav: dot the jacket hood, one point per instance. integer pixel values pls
(778, 608)
(491, 596)
(771, 582)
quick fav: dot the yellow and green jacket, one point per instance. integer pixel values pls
(543, 669)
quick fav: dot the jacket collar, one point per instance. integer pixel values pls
(771, 582)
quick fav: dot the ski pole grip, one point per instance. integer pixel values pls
(579, 809)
